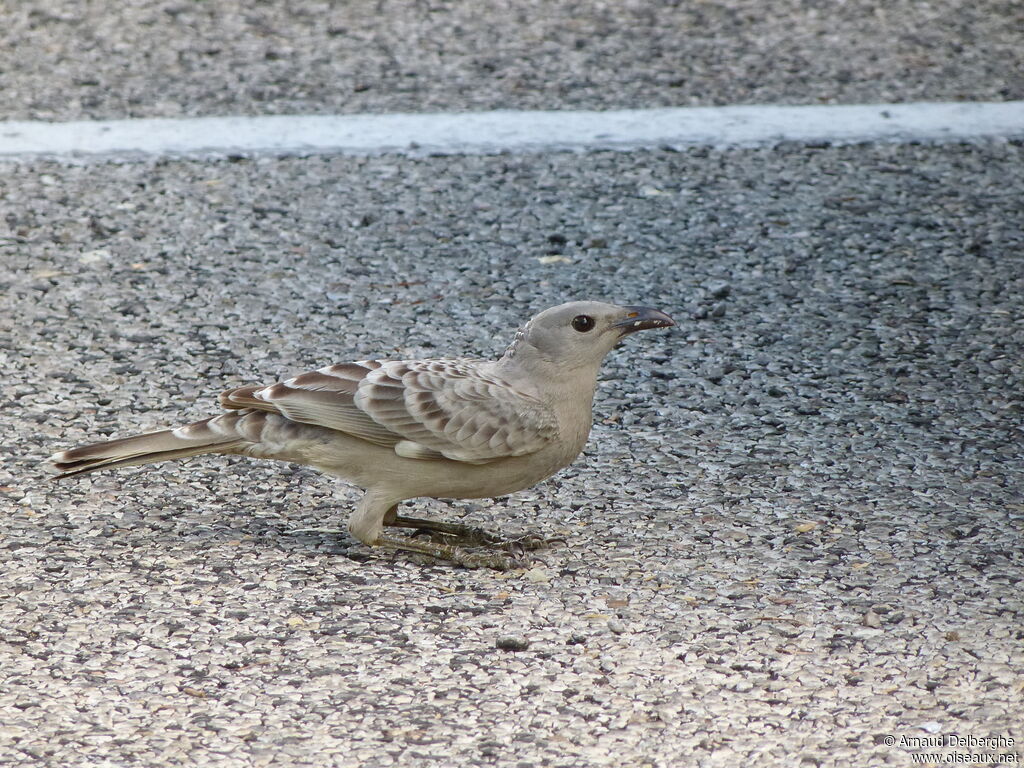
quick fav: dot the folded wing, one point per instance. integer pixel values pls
(424, 409)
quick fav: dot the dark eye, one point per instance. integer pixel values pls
(582, 323)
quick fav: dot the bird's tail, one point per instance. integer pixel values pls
(217, 435)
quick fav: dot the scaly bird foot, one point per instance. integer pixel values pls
(473, 536)
(451, 554)
(440, 546)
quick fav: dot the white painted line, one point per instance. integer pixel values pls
(491, 132)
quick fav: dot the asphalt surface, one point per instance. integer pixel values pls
(61, 59)
(796, 536)
(797, 528)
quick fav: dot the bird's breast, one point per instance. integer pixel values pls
(574, 420)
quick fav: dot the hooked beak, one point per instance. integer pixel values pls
(642, 318)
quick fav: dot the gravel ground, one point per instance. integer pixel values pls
(64, 59)
(796, 530)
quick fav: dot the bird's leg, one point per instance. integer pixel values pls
(450, 553)
(469, 534)
(466, 535)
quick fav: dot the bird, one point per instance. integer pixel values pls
(451, 428)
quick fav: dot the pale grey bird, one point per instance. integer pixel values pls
(401, 429)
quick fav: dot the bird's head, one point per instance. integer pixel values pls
(579, 334)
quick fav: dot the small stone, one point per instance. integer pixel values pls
(537, 575)
(872, 620)
(714, 373)
(511, 643)
(718, 289)
(94, 257)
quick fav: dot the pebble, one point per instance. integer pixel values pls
(510, 643)
(871, 619)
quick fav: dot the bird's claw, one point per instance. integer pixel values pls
(467, 535)
(493, 561)
(471, 536)
(453, 554)
(531, 542)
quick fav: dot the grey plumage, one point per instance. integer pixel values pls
(444, 428)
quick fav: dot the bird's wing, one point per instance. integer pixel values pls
(456, 408)
(424, 409)
(324, 398)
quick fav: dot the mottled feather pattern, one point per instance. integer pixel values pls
(322, 398)
(459, 409)
(435, 408)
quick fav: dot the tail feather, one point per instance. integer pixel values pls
(216, 435)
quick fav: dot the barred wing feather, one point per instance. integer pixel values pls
(423, 409)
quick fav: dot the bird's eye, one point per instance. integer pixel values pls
(582, 323)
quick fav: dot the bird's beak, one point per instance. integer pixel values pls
(642, 318)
